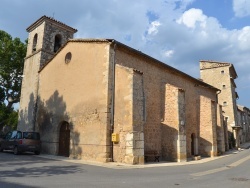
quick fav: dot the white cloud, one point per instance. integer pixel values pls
(244, 38)
(192, 17)
(153, 28)
(241, 8)
(169, 53)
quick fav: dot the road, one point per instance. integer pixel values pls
(32, 171)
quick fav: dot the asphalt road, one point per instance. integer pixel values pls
(32, 171)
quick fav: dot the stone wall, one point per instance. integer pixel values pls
(36, 56)
(129, 116)
(220, 131)
(208, 142)
(219, 76)
(29, 93)
(123, 120)
(162, 104)
(77, 92)
(174, 144)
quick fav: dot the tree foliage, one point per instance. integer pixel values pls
(8, 117)
(12, 53)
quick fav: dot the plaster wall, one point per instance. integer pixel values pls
(77, 92)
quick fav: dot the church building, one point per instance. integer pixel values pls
(100, 100)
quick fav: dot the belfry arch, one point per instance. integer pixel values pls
(34, 48)
(57, 42)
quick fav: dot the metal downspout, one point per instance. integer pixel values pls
(217, 94)
(112, 105)
(36, 104)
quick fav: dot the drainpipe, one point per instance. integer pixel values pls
(36, 105)
(112, 105)
(217, 94)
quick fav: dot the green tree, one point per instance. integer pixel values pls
(12, 53)
(8, 117)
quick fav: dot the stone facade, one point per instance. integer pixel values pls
(100, 88)
(221, 131)
(68, 92)
(221, 75)
(40, 49)
(244, 121)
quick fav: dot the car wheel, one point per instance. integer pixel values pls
(37, 152)
(1, 149)
(16, 151)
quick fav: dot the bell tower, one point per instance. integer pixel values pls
(46, 36)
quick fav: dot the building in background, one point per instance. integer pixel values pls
(244, 121)
(221, 75)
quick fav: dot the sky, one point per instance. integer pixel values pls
(179, 33)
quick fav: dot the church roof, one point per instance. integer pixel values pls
(46, 18)
(118, 44)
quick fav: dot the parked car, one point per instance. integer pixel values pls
(1, 136)
(19, 142)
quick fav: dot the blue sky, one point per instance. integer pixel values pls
(177, 32)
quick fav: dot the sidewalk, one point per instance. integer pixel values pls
(245, 145)
(115, 165)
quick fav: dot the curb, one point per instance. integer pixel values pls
(115, 165)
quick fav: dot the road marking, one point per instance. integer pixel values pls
(222, 168)
(210, 171)
(239, 161)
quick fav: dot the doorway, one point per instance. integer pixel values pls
(193, 144)
(64, 139)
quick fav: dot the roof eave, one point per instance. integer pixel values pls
(43, 18)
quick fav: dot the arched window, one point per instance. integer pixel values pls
(34, 43)
(58, 42)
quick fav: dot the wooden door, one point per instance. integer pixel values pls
(192, 144)
(64, 139)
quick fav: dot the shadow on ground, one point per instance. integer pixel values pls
(27, 165)
(14, 185)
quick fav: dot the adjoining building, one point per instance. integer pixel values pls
(98, 99)
(244, 121)
(221, 75)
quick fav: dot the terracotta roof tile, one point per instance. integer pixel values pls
(40, 20)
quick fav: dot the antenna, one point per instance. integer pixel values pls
(53, 15)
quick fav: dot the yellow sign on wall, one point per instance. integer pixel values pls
(115, 137)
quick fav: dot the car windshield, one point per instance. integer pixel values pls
(31, 135)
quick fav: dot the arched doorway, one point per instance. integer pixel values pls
(64, 139)
(193, 144)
